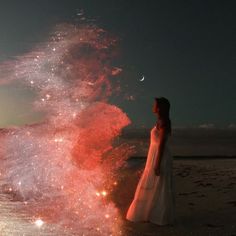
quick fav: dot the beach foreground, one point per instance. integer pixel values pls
(205, 198)
(205, 202)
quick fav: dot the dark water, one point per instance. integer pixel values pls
(189, 142)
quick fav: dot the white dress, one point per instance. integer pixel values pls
(154, 198)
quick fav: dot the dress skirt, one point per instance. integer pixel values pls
(154, 198)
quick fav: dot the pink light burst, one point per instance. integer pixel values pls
(64, 161)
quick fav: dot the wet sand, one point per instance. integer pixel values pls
(205, 198)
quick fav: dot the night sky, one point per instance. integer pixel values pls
(185, 49)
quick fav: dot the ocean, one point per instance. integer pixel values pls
(187, 142)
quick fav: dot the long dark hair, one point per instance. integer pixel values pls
(164, 113)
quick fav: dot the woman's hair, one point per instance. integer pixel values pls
(164, 113)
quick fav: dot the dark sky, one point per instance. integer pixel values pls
(185, 49)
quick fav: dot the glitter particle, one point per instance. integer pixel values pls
(39, 223)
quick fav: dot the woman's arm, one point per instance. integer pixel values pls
(162, 137)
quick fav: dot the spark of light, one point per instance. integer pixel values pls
(58, 140)
(39, 223)
(104, 193)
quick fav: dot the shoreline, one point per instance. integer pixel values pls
(187, 157)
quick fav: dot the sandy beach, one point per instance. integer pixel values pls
(205, 197)
(205, 202)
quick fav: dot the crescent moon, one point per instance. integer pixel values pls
(142, 78)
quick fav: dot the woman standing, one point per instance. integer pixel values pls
(154, 198)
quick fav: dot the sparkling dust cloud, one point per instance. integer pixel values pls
(65, 167)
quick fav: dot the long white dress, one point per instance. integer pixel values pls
(154, 198)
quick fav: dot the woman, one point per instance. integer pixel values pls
(154, 198)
